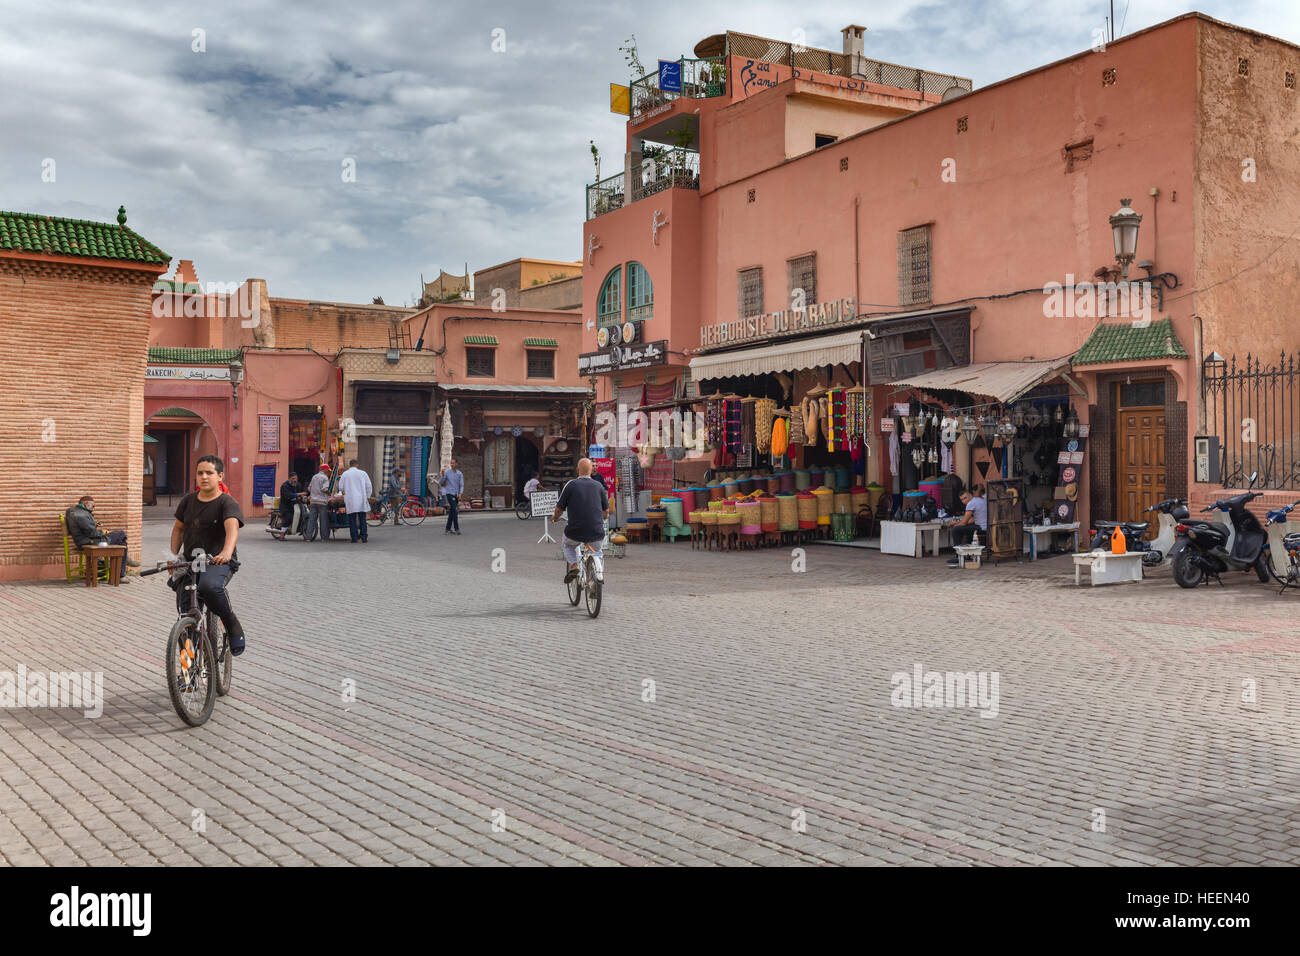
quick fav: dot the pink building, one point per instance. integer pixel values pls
(799, 228)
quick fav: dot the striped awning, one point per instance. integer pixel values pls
(839, 349)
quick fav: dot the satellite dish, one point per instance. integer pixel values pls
(952, 92)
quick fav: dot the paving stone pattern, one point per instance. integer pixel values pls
(482, 693)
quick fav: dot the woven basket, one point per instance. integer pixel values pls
(807, 507)
(801, 479)
(728, 505)
(860, 498)
(707, 518)
(729, 519)
(787, 511)
(750, 517)
(824, 498)
(770, 514)
(843, 503)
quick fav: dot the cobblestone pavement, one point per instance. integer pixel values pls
(771, 738)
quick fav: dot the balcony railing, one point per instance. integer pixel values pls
(700, 79)
(670, 168)
(605, 196)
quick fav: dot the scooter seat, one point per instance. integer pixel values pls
(1137, 527)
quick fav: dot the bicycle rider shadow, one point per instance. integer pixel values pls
(517, 610)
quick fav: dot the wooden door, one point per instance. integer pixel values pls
(1141, 460)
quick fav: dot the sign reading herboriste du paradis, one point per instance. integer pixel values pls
(774, 323)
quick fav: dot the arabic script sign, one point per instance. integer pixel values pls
(192, 373)
(637, 355)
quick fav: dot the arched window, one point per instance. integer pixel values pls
(609, 307)
(640, 293)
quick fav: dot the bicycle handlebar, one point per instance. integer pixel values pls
(170, 566)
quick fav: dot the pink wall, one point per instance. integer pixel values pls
(510, 328)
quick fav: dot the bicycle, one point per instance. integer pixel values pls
(590, 580)
(400, 509)
(199, 660)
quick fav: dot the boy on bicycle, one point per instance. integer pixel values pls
(588, 505)
(207, 527)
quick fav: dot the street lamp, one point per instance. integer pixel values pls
(1124, 225)
(236, 376)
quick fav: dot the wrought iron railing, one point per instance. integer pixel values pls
(606, 196)
(700, 79)
(669, 168)
(838, 64)
(666, 169)
(1254, 409)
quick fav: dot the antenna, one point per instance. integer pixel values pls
(1112, 20)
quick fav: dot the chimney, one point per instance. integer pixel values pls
(854, 36)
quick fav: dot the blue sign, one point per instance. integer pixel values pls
(670, 76)
(263, 483)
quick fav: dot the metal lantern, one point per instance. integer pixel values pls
(917, 456)
(1072, 424)
(920, 425)
(908, 422)
(969, 428)
(989, 428)
(1124, 226)
(1059, 415)
(933, 457)
(1033, 417)
(1018, 416)
(1006, 429)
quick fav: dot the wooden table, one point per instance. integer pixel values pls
(1033, 531)
(908, 537)
(114, 554)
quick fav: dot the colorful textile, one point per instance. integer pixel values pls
(779, 438)
(731, 418)
(763, 410)
(654, 394)
(633, 396)
(390, 460)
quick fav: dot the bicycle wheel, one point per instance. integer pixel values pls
(221, 651)
(412, 513)
(575, 591)
(593, 589)
(191, 675)
(523, 510)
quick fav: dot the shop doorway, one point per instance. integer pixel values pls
(306, 439)
(526, 463)
(1140, 440)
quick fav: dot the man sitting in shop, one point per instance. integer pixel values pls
(976, 519)
(83, 529)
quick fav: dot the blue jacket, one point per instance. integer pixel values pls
(453, 482)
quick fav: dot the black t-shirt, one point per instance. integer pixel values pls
(288, 495)
(205, 523)
(585, 500)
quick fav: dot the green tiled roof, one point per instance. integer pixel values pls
(173, 356)
(480, 340)
(29, 232)
(174, 412)
(542, 343)
(1123, 342)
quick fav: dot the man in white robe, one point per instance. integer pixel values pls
(356, 488)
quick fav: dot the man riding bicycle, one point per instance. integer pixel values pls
(588, 505)
(207, 527)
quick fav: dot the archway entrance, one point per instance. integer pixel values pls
(180, 437)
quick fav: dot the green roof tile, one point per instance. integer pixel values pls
(542, 343)
(174, 412)
(480, 340)
(1125, 342)
(175, 356)
(51, 235)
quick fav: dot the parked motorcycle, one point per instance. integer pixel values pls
(1283, 548)
(1208, 553)
(1102, 531)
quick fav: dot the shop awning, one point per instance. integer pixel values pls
(1002, 381)
(396, 430)
(839, 349)
(559, 390)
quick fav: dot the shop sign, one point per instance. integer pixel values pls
(544, 503)
(886, 424)
(640, 355)
(189, 373)
(773, 323)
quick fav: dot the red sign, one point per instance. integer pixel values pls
(605, 467)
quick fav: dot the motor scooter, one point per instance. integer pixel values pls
(1283, 548)
(1208, 552)
(1102, 531)
(1164, 547)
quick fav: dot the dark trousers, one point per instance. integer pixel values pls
(119, 537)
(318, 515)
(962, 533)
(453, 512)
(357, 525)
(212, 592)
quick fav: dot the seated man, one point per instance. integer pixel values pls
(83, 529)
(289, 507)
(975, 519)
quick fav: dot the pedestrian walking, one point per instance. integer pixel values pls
(452, 484)
(356, 488)
(318, 501)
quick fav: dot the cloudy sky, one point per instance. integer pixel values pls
(234, 155)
